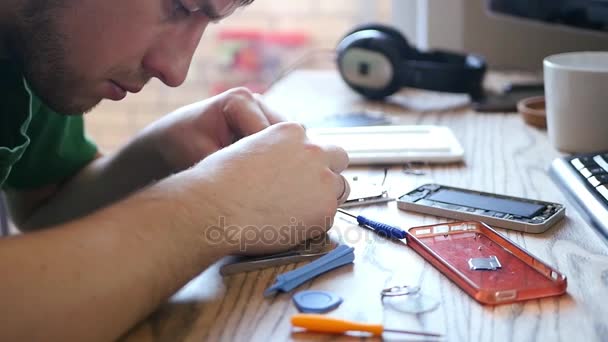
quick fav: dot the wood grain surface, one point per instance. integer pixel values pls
(502, 155)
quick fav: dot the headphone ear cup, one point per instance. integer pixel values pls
(400, 42)
(369, 62)
(376, 60)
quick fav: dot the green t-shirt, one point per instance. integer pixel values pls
(38, 146)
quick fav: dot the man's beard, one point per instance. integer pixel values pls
(38, 49)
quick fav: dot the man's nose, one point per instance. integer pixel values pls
(170, 57)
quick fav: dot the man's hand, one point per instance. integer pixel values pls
(174, 143)
(274, 190)
(192, 133)
(265, 193)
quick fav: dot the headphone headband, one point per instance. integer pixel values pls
(376, 61)
(445, 71)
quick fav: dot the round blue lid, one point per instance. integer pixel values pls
(316, 301)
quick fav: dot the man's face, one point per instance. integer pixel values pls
(77, 52)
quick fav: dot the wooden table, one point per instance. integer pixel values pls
(502, 155)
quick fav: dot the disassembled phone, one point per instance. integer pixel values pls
(365, 194)
(515, 213)
(486, 265)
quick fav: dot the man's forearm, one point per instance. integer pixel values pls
(104, 181)
(94, 278)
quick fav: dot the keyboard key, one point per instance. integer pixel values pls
(582, 162)
(603, 190)
(598, 180)
(594, 171)
(599, 160)
(577, 164)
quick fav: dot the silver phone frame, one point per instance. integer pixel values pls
(535, 228)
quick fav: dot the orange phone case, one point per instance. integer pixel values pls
(450, 246)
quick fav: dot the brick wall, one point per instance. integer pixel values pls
(112, 123)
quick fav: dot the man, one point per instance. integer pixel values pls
(125, 231)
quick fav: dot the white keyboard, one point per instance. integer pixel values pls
(584, 180)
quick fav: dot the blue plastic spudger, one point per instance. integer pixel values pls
(378, 227)
(286, 282)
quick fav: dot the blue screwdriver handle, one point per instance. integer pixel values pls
(383, 229)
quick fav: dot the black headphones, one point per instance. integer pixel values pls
(376, 61)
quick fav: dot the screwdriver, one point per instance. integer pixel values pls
(380, 228)
(324, 324)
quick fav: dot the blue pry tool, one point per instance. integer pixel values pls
(378, 227)
(286, 282)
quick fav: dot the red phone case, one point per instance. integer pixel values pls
(450, 246)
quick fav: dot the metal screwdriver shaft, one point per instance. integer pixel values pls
(347, 213)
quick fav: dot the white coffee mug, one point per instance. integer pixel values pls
(576, 92)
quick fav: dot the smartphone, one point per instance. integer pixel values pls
(364, 194)
(526, 215)
(486, 265)
(507, 100)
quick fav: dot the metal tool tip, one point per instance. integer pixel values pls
(346, 213)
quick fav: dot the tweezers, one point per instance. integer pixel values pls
(270, 261)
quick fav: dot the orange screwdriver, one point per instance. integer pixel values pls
(324, 324)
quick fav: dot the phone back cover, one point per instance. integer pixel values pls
(450, 246)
